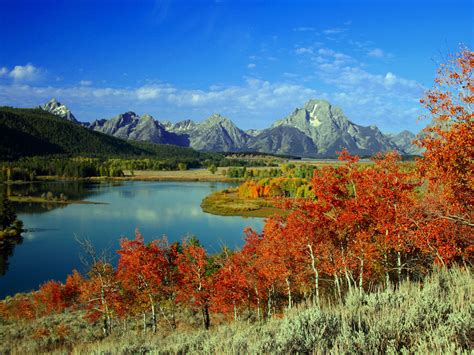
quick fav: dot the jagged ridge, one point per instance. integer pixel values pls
(316, 130)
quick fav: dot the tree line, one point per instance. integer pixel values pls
(28, 168)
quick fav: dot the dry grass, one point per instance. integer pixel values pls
(155, 175)
(36, 199)
(178, 175)
(434, 317)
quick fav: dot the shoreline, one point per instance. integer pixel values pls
(228, 203)
(33, 199)
(152, 175)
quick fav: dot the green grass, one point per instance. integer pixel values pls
(434, 317)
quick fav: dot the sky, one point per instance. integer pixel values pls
(251, 61)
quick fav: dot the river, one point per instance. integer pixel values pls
(49, 249)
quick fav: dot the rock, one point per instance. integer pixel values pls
(56, 108)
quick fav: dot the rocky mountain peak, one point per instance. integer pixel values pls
(126, 118)
(217, 118)
(404, 140)
(313, 104)
(331, 131)
(56, 108)
(148, 119)
(182, 126)
(167, 124)
(312, 115)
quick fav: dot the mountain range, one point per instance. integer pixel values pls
(317, 130)
(35, 132)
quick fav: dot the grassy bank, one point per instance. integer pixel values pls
(154, 175)
(178, 175)
(36, 199)
(434, 317)
(228, 203)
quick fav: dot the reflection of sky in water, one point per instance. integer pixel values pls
(173, 209)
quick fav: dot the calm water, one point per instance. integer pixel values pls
(49, 250)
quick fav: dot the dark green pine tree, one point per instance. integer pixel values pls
(7, 213)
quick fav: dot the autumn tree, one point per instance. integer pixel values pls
(447, 164)
(141, 270)
(72, 289)
(230, 287)
(196, 284)
(49, 298)
(100, 292)
(171, 280)
(254, 272)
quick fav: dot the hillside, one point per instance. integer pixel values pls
(28, 132)
(432, 317)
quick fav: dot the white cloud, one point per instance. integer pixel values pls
(367, 98)
(148, 93)
(303, 50)
(152, 92)
(390, 79)
(377, 53)
(3, 71)
(251, 65)
(85, 83)
(304, 29)
(333, 31)
(253, 104)
(24, 73)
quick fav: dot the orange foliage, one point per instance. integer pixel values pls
(50, 298)
(446, 216)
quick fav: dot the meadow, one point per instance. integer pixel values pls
(431, 317)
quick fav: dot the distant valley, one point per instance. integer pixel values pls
(317, 130)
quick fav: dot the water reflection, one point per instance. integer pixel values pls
(49, 250)
(7, 246)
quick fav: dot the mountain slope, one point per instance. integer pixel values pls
(129, 125)
(331, 131)
(27, 132)
(404, 140)
(181, 127)
(281, 140)
(216, 133)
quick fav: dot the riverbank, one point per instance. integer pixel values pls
(35, 199)
(228, 203)
(8, 233)
(154, 175)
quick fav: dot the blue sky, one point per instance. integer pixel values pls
(252, 61)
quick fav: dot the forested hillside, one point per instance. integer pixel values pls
(28, 132)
